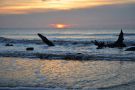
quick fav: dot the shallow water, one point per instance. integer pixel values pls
(23, 72)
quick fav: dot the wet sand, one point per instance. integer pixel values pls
(21, 73)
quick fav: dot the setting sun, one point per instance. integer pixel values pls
(60, 26)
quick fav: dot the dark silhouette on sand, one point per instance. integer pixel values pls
(117, 44)
(45, 40)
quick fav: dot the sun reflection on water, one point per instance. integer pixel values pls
(61, 73)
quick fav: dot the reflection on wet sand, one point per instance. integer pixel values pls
(16, 72)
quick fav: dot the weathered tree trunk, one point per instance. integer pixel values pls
(119, 43)
(45, 40)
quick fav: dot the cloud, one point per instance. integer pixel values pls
(109, 16)
(25, 6)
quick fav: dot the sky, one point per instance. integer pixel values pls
(72, 13)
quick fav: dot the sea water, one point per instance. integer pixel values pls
(74, 43)
(73, 63)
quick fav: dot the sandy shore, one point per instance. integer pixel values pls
(36, 74)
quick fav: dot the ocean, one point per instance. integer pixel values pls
(74, 63)
(69, 44)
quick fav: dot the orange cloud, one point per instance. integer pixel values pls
(24, 6)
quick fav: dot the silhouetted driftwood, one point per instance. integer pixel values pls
(45, 40)
(118, 44)
(8, 44)
(29, 48)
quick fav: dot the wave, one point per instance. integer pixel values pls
(67, 56)
(126, 34)
(30, 88)
(60, 41)
(124, 86)
(38, 41)
(62, 34)
(70, 34)
(38, 88)
(63, 49)
(129, 34)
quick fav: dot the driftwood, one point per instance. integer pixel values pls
(8, 44)
(117, 44)
(29, 48)
(45, 40)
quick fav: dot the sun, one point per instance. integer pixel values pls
(60, 26)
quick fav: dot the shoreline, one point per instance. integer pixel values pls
(65, 75)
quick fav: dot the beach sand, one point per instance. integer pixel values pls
(36, 74)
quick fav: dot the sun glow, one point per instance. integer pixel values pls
(60, 26)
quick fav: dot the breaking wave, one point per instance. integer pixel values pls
(63, 49)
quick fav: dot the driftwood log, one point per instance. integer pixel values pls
(45, 40)
(117, 44)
